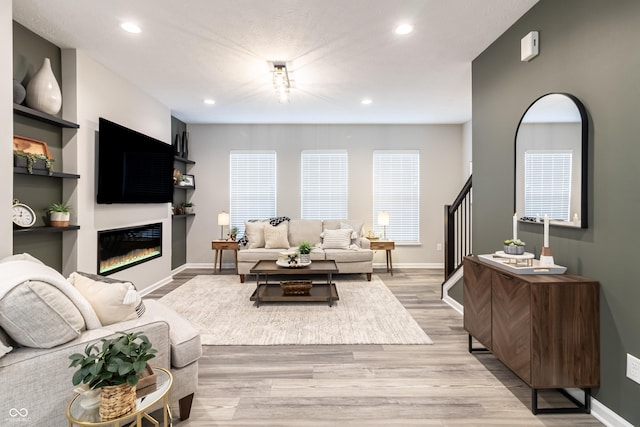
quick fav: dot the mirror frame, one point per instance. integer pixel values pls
(584, 214)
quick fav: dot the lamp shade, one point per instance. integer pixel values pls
(383, 218)
(223, 218)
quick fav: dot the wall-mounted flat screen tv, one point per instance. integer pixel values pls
(132, 167)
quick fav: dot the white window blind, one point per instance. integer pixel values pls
(252, 189)
(547, 183)
(396, 190)
(324, 184)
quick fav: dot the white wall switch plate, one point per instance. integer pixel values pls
(633, 368)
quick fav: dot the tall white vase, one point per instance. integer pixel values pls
(43, 91)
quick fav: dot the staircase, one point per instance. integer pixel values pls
(457, 235)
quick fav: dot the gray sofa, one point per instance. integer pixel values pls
(354, 257)
(41, 311)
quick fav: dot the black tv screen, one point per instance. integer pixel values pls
(132, 167)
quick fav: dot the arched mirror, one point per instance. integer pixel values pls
(551, 162)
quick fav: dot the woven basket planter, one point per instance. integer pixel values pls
(116, 401)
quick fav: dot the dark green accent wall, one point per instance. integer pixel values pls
(29, 51)
(589, 48)
(178, 225)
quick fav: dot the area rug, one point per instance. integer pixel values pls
(367, 313)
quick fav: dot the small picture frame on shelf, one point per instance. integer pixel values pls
(188, 181)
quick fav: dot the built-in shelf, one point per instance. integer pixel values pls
(43, 172)
(183, 215)
(183, 160)
(43, 117)
(185, 187)
(45, 229)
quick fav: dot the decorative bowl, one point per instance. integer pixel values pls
(513, 249)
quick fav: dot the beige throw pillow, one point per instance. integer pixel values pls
(112, 302)
(255, 234)
(337, 239)
(276, 237)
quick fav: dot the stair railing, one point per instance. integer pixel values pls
(457, 230)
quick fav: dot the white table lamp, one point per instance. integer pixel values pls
(223, 219)
(383, 220)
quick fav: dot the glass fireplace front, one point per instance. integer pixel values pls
(121, 248)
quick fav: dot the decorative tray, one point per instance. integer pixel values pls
(31, 146)
(284, 263)
(520, 264)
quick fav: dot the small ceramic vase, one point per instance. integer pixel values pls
(19, 92)
(43, 91)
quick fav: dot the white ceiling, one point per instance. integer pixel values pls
(337, 52)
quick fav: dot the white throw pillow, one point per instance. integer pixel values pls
(345, 226)
(336, 239)
(112, 302)
(255, 234)
(276, 237)
(39, 315)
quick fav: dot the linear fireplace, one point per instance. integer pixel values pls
(121, 248)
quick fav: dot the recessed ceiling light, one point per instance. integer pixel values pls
(366, 101)
(130, 27)
(404, 29)
(209, 101)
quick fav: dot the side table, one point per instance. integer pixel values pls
(224, 245)
(79, 416)
(388, 246)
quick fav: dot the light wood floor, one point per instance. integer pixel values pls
(368, 385)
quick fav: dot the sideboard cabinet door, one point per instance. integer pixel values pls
(511, 323)
(477, 301)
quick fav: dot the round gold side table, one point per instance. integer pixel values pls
(79, 416)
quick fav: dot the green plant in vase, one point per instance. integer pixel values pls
(114, 367)
(305, 249)
(59, 214)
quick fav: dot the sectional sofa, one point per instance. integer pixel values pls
(45, 317)
(340, 240)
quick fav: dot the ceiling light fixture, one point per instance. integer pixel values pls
(209, 101)
(366, 101)
(130, 27)
(281, 82)
(403, 29)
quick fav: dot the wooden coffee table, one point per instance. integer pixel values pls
(272, 292)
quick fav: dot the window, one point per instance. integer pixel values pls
(396, 191)
(252, 186)
(547, 183)
(324, 184)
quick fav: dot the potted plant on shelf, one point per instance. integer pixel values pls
(59, 214)
(305, 249)
(32, 160)
(188, 208)
(115, 369)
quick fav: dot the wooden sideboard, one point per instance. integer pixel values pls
(545, 328)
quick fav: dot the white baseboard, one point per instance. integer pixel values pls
(445, 291)
(600, 412)
(409, 265)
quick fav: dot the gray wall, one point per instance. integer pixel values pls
(588, 48)
(440, 149)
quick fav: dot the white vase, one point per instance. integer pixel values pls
(43, 91)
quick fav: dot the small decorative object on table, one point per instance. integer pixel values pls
(514, 247)
(233, 233)
(296, 287)
(305, 249)
(146, 382)
(115, 368)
